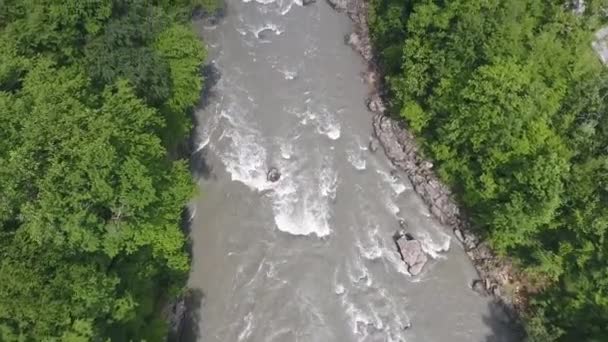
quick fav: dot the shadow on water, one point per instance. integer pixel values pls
(199, 166)
(189, 327)
(504, 326)
(187, 310)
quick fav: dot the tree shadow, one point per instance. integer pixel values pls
(198, 156)
(188, 330)
(211, 74)
(199, 165)
(504, 324)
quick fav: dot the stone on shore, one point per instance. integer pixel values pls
(375, 104)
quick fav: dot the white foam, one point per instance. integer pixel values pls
(301, 202)
(371, 248)
(288, 74)
(328, 183)
(358, 318)
(433, 248)
(392, 206)
(325, 122)
(355, 158)
(396, 185)
(268, 26)
(286, 150)
(192, 214)
(339, 290)
(246, 331)
(205, 136)
(243, 153)
(285, 9)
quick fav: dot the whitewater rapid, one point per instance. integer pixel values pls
(310, 257)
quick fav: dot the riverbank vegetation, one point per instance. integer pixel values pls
(93, 95)
(509, 99)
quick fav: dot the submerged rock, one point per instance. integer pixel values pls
(273, 175)
(373, 145)
(411, 253)
(477, 285)
(459, 235)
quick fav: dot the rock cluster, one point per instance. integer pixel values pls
(410, 249)
(401, 148)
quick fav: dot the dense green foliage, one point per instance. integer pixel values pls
(92, 96)
(509, 99)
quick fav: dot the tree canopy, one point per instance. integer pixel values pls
(93, 95)
(509, 99)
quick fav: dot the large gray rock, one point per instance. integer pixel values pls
(412, 254)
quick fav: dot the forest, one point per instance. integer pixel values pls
(509, 99)
(95, 101)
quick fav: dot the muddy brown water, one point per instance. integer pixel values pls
(310, 257)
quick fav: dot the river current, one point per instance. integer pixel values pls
(310, 257)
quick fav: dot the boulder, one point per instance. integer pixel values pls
(477, 285)
(412, 254)
(273, 175)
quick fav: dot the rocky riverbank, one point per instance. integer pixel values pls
(497, 277)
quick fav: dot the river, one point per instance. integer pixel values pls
(310, 257)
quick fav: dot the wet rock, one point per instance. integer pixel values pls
(459, 236)
(426, 165)
(361, 44)
(373, 145)
(387, 138)
(339, 5)
(412, 254)
(477, 286)
(394, 175)
(273, 175)
(375, 104)
(370, 77)
(308, 2)
(483, 252)
(470, 241)
(176, 313)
